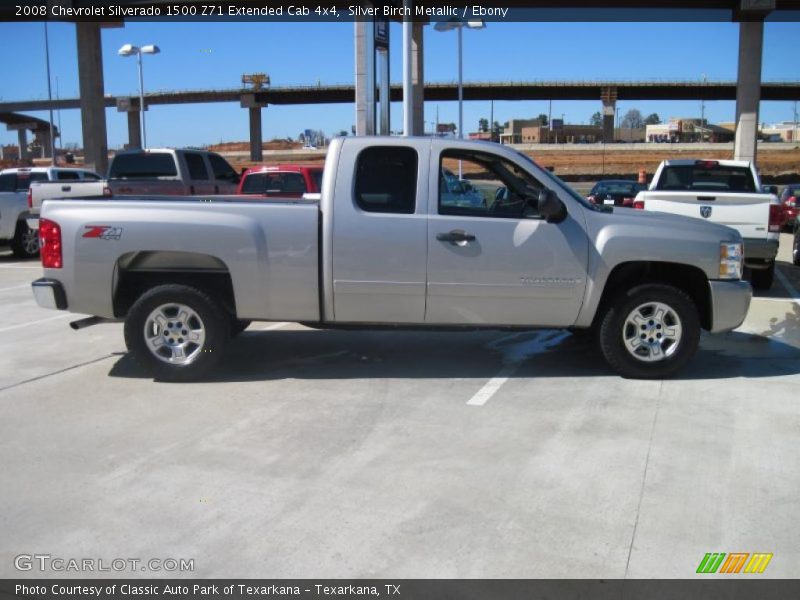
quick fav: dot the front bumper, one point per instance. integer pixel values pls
(729, 303)
(49, 293)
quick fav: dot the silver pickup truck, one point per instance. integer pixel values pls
(391, 241)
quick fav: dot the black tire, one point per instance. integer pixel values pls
(206, 320)
(796, 247)
(26, 241)
(762, 278)
(238, 326)
(615, 327)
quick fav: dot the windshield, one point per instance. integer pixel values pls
(560, 184)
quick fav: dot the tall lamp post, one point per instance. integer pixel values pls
(130, 50)
(459, 25)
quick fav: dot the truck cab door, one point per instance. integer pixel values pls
(199, 180)
(379, 231)
(492, 259)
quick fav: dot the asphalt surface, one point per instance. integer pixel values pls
(399, 454)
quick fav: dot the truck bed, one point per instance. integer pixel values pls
(269, 248)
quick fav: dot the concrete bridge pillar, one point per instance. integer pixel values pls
(134, 129)
(365, 77)
(250, 102)
(22, 138)
(43, 137)
(418, 78)
(93, 110)
(748, 89)
(609, 98)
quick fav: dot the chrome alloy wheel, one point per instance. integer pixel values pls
(30, 241)
(175, 334)
(652, 332)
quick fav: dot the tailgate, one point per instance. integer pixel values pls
(747, 213)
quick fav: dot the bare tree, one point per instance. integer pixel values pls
(632, 120)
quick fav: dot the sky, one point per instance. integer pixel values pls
(215, 55)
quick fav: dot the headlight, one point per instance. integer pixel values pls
(730, 260)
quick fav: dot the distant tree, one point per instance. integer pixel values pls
(483, 125)
(652, 119)
(543, 119)
(596, 120)
(632, 119)
(451, 127)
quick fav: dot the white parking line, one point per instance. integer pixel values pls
(29, 323)
(495, 383)
(788, 286)
(514, 354)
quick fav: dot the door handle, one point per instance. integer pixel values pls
(706, 198)
(66, 188)
(456, 236)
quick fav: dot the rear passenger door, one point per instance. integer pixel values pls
(199, 176)
(226, 179)
(379, 234)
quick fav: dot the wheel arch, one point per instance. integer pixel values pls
(137, 272)
(687, 278)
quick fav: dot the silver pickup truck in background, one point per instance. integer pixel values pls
(158, 172)
(728, 192)
(392, 242)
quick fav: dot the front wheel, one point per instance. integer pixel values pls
(26, 241)
(650, 332)
(176, 332)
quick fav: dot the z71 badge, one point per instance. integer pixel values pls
(103, 232)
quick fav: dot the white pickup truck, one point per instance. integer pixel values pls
(15, 225)
(728, 192)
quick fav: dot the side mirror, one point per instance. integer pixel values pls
(550, 207)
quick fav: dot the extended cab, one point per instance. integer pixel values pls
(728, 192)
(390, 243)
(15, 183)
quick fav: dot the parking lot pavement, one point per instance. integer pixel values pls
(399, 454)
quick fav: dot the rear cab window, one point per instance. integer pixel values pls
(706, 177)
(386, 179)
(274, 183)
(143, 165)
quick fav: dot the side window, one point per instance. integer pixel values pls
(67, 176)
(196, 165)
(89, 176)
(221, 168)
(489, 186)
(8, 182)
(386, 179)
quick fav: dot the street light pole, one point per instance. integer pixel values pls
(130, 50)
(460, 83)
(49, 96)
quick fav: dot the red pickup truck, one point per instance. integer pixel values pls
(286, 181)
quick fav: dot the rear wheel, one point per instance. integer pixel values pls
(26, 241)
(650, 332)
(762, 278)
(176, 332)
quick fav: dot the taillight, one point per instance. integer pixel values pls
(638, 204)
(629, 202)
(792, 201)
(50, 244)
(775, 218)
(591, 199)
(30, 198)
(107, 192)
